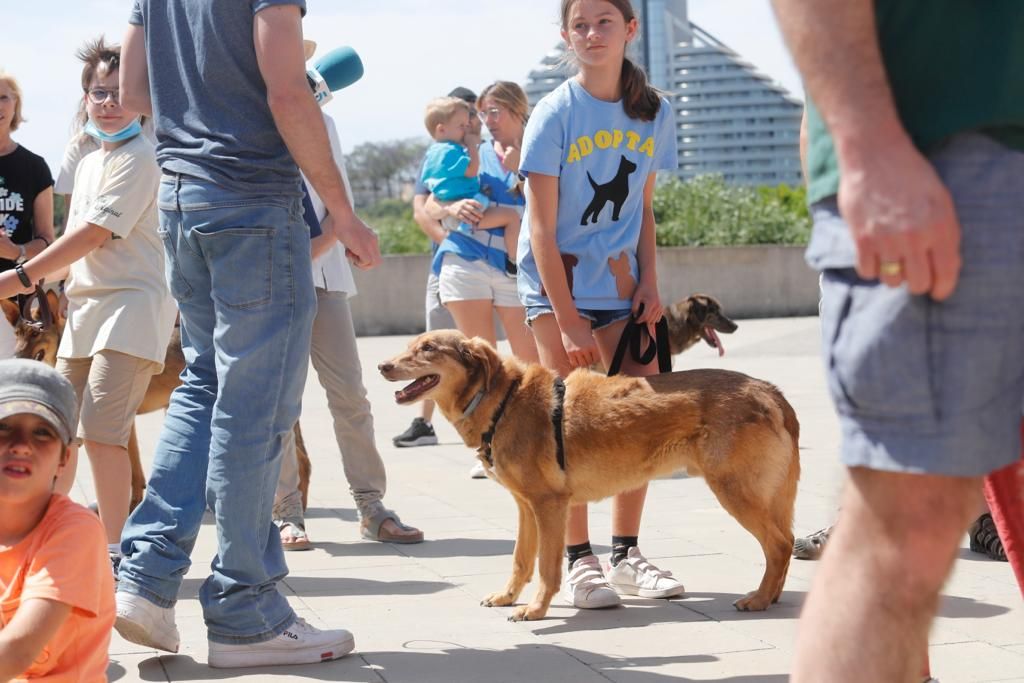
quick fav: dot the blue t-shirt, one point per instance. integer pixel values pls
(444, 172)
(209, 99)
(499, 184)
(602, 159)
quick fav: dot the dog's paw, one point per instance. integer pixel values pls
(498, 600)
(752, 602)
(527, 613)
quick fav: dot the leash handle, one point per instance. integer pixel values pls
(633, 338)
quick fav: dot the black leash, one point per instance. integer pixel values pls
(633, 338)
(486, 437)
(556, 421)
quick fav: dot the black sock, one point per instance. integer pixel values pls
(620, 548)
(575, 552)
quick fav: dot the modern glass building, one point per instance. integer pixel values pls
(733, 120)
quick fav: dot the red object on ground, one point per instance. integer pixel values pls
(1004, 491)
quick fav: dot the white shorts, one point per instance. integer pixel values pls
(463, 280)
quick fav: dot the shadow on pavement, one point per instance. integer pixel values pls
(452, 663)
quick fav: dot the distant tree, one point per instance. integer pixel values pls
(380, 169)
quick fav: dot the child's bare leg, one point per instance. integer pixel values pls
(503, 217)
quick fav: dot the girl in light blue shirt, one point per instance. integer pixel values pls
(587, 249)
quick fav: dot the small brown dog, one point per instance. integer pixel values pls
(616, 434)
(38, 332)
(697, 317)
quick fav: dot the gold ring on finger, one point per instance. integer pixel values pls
(890, 268)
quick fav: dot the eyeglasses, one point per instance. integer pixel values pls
(100, 95)
(492, 113)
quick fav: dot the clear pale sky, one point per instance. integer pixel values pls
(413, 50)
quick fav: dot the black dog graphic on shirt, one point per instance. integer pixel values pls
(615, 191)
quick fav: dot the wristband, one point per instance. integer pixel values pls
(22, 275)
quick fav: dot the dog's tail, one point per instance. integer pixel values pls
(591, 179)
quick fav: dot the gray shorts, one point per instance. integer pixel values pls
(936, 387)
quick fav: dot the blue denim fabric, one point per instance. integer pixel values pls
(239, 268)
(598, 318)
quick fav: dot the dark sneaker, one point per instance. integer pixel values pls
(985, 538)
(811, 547)
(419, 433)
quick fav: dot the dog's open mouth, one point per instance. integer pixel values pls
(419, 386)
(709, 335)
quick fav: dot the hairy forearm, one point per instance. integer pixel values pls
(835, 46)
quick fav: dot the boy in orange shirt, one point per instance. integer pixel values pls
(56, 590)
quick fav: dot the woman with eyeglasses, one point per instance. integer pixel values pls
(470, 286)
(26, 187)
(120, 312)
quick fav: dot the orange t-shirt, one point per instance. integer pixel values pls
(64, 559)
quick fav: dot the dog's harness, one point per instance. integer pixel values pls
(556, 422)
(486, 437)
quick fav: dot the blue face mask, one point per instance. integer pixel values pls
(129, 131)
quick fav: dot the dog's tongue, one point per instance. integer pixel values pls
(717, 342)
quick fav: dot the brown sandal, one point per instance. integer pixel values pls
(372, 529)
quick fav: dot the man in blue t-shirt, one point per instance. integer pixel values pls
(226, 86)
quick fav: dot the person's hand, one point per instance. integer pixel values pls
(472, 140)
(903, 221)
(361, 244)
(8, 249)
(646, 299)
(511, 158)
(10, 285)
(578, 340)
(466, 211)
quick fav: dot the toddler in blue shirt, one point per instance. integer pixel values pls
(451, 170)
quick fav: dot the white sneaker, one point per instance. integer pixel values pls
(634, 575)
(300, 643)
(145, 623)
(586, 587)
(478, 471)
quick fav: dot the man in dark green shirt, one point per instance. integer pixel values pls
(916, 184)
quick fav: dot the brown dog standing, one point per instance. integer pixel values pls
(738, 432)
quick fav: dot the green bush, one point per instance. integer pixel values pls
(399, 234)
(708, 212)
(703, 212)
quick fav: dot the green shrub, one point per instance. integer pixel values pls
(702, 212)
(708, 212)
(399, 234)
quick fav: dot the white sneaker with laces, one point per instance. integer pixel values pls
(634, 575)
(586, 587)
(300, 643)
(145, 623)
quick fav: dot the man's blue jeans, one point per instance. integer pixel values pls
(239, 268)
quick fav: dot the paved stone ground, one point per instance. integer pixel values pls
(414, 609)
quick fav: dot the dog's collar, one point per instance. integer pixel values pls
(556, 421)
(486, 437)
(473, 403)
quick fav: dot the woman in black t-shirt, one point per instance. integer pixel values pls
(26, 187)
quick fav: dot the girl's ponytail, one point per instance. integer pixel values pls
(639, 98)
